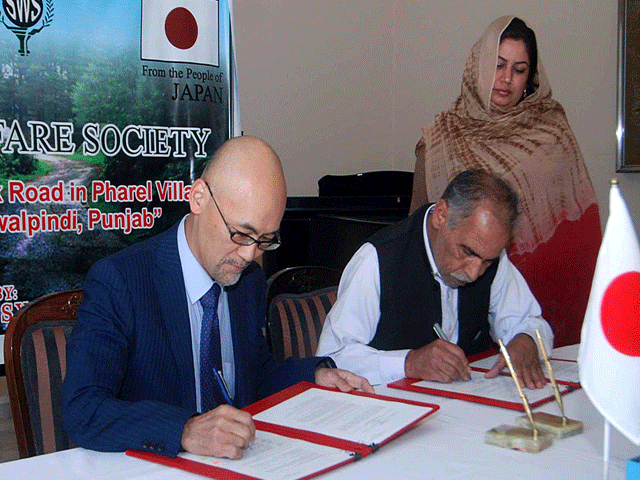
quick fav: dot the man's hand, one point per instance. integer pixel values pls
(224, 431)
(439, 361)
(524, 357)
(342, 379)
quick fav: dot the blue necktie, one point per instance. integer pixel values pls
(210, 352)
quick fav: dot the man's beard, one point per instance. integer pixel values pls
(461, 278)
(227, 279)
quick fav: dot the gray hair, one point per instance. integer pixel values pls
(467, 189)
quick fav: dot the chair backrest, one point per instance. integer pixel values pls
(35, 364)
(295, 322)
(301, 279)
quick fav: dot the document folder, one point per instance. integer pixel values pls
(498, 392)
(306, 430)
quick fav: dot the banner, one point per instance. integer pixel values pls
(108, 112)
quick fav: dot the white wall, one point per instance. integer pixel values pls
(346, 86)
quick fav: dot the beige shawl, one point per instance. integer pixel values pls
(530, 145)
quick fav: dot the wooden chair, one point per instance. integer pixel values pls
(35, 361)
(299, 299)
(302, 279)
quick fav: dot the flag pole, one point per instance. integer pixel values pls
(607, 425)
(605, 450)
(235, 119)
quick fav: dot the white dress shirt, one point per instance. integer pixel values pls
(353, 320)
(197, 282)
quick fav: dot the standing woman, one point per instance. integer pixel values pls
(506, 122)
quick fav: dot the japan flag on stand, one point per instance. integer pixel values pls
(182, 31)
(609, 358)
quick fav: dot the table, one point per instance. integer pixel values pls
(447, 445)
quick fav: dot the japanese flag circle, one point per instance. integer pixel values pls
(181, 28)
(620, 313)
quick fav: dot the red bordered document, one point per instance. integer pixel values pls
(500, 391)
(307, 430)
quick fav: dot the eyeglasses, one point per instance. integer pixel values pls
(243, 239)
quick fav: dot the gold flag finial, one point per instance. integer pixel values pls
(614, 181)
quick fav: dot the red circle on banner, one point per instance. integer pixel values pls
(181, 28)
(620, 313)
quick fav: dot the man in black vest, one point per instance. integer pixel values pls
(446, 264)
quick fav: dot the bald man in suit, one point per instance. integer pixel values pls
(133, 373)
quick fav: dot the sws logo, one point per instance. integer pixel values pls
(25, 18)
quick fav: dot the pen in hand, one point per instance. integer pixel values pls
(441, 335)
(439, 332)
(224, 387)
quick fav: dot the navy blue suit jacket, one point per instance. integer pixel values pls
(130, 380)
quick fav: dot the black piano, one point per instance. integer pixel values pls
(328, 229)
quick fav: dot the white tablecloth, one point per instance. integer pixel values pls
(447, 445)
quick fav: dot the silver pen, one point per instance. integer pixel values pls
(225, 388)
(441, 335)
(439, 332)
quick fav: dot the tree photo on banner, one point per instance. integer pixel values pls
(108, 112)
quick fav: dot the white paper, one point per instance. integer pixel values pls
(274, 457)
(564, 370)
(350, 417)
(501, 388)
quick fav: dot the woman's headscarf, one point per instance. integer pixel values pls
(530, 145)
